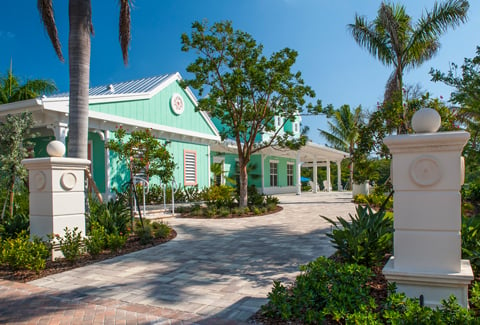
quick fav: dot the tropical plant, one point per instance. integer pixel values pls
(365, 239)
(13, 90)
(395, 40)
(344, 131)
(467, 95)
(14, 146)
(113, 216)
(247, 91)
(80, 18)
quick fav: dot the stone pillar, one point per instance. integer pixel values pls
(57, 193)
(427, 173)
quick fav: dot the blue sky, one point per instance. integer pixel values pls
(337, 69)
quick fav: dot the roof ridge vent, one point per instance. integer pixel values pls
(111, 88)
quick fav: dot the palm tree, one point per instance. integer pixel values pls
(344, 131)
(13, 90)
(396, 41)
(80, 18)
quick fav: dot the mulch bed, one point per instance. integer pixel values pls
(230, 216)
(60, 265)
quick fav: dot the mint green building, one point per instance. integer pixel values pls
(160, 104)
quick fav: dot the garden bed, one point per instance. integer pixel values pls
(61, 265)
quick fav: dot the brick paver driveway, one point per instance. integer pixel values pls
(214, 272)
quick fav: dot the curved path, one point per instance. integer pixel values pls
(214, 272)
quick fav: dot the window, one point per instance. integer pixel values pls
(279, 121)
(190, 167)
(289, 174)
(295, 127)
(273, 173)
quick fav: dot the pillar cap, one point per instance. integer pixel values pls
(55, 148)
(426, 120)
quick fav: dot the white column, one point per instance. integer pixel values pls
(60, 131)
(339, 175)
(328, 176)
(108, 192)
(208, 166)
(299, 175)
(315, 176)
(263, 173)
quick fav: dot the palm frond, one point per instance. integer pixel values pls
(365, 35)
(451, 13)
(124, 28)
(45, 8)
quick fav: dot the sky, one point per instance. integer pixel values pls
(330, 61)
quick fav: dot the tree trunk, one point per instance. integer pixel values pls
(243, 200)
(79, 12)
(12, 195)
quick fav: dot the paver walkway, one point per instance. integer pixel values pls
(214, 272)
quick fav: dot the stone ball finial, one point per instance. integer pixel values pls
(55, 148)
(426, 120)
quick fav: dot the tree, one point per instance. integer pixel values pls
(467, 95)
(246, 90)
(13, 90)
(80, 18)
(13, 149)
(143, 154)
(396, 41)
(344, 131)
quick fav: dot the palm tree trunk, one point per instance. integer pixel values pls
(79, 12)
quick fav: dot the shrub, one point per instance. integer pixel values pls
(256, 210)
(254, 198)
(474, 299)
(323, 289)
(360, 199)
(272, 200)
(14, 225)
(71, 244)
(116, 241)
(237, 210)
(210, 212)
(144, 232)
(218, 196)
(224, 212)
(365, 239)
(20, 253)
(96, 240)
(471, 241)
(271, 206)
(161, 230)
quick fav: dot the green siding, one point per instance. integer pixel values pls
(98, 160)
(157, 110)
(40, 146)
(119, 173)
(281, 170)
